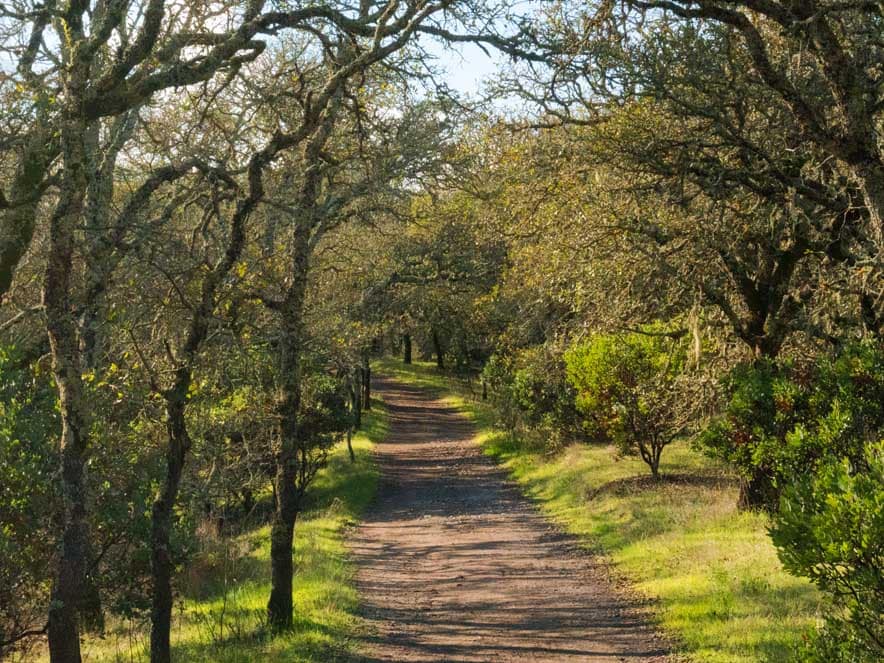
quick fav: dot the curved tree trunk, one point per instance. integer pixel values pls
(179, 440)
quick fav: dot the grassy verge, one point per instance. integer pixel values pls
(713, 573)
(221, 618)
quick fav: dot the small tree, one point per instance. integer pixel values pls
(633, 389)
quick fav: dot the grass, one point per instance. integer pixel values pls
(222, 614)
(712, 573)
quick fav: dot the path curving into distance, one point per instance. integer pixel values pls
(455, 565)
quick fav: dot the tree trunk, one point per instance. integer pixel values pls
(350, 445)
(279, 606)
(179, 441)
(757, 492)
(248, 501)
(356, 398)
(366, 383)
(440, 353)
(161, 527)
(61, 324)
(69, 581)
(656, 452)
(406, 348)
(18, 221)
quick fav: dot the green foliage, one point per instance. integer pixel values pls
(783, 418)
(224, 586)
(324, 415)
(530, 390)
(830, 528)
(629, 388)
(28, 426)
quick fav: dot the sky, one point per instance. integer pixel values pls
(466, 66)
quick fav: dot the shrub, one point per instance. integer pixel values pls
(782, 418)
(28, 425)
(498, 374)
(633, 390)
(830, 528)
(531, 389)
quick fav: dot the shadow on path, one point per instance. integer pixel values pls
(455, 565)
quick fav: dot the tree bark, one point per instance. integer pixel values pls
(366, 383)
(440, 353)
(279, 606)
(406, 348)
(61, 324)
(161, 528)
(18, 221)
(356, 398)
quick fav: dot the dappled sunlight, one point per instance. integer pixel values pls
(456, 565)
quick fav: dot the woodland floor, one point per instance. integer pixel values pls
(454, 564)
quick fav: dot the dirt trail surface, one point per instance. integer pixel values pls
(455, 565)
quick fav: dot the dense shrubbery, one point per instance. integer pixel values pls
(830, 528)
(28, 424)
(632, 390)
(531, 392)
(806, 438)
(808, 434)
(782, 418)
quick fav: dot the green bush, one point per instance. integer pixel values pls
(782, 418)
(498, 375)
(28, 506)
(830, 528)
(530, 390)
(632, 390)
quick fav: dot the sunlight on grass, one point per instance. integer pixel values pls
(712, 571)
(222, 616)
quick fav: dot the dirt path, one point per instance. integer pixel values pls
(455, 565)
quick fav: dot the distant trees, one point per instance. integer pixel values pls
(434, 273)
